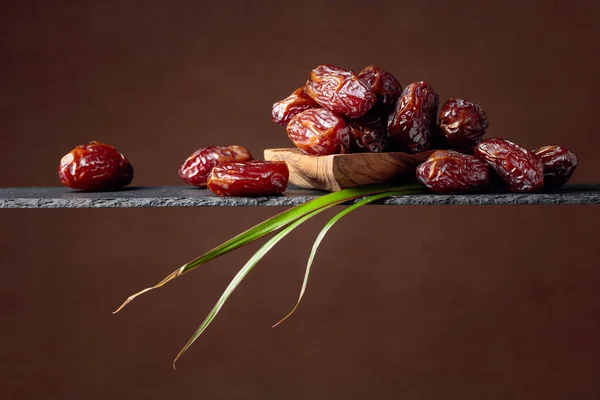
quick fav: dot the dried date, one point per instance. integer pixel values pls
(559, 164)
(448, 171)
(319, 131)
(378, 115)
(369, 132)
(340, 91)
(284, 110)
(367, 137)
(95, 167)
(520, 170)
(385, 86)
(196, 168)
(462, 123)
(254, 178)
(412, 123)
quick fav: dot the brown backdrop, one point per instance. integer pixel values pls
(404, 302)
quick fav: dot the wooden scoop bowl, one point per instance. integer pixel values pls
(341, 171)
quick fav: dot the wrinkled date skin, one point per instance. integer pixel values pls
(254, 178)
(95, 167)
(367, 138)
(369, 132)
(320, 132)
(295, 103)
(377, 116)
(385, 86)
(520, 170)
(411, 124)
(448, 171)
(196, 168)
(559, 164)
(462, 123)
(340, 91)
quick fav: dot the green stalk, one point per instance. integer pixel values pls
(273, 224)
(269, 245)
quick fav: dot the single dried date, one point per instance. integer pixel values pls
(284, 110)
(253, 178)
(520, 170)
(411, 124)
(377, 116)
(196, 168)
(367, 137)
(369, 132)
(447, 171)
(462, 123)
(95, 167)
(559, 164)
(340, 91)
(385, 86)
(319, 131)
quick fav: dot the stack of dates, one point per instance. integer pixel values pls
(338, 112)
(232, 171)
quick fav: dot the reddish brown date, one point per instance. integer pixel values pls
(254, 178)
(378, 115)
(385, 86)
(411, 124)
(518, 168)
(369, 132)
(559, 164)
(196, 168)
(318, 131)
(462, 123)
(295, 103)
(340, 91)
(367, 138)
(448, 171)
(95, 167)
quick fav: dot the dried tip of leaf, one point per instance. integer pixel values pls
(169, 278)
(287, 316)
(183, 350)
(130, 298)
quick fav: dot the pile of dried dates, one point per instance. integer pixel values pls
(338, 112)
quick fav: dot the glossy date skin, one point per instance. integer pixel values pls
(462, 123)
(385, 86)
(318, 131)
(559, 164)
(412, 123)
(365, 138)
(284, 110)
(448, 171)
(196, 168)
(95, 167)
(369, 132)
(249, 179)
(340, 91)
(518, 168)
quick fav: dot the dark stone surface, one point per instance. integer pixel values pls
(183, 196)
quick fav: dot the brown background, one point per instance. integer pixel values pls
(413, 302)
